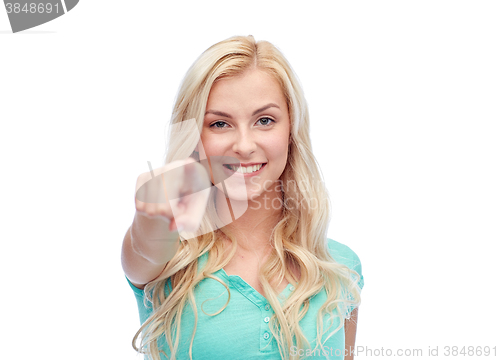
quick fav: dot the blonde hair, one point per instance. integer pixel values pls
(298, 239)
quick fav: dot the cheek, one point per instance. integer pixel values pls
(209, 147)
(279, 148)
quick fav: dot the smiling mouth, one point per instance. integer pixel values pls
(244, 169)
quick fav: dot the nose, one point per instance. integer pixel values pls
(244, 143)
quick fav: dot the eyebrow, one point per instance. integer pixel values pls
(220, 113)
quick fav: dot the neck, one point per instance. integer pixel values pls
(255, 220)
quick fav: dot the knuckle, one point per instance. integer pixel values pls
(140, 206)
(149, 210)
(163, 212)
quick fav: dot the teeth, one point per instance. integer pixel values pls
(245, 170)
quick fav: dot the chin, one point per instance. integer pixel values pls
(241, 193)
(233, 193)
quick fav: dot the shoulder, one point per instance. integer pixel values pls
(344, 255)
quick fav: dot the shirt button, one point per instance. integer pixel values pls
(266, 319)
(266, 307)
(292, 288)
(266, 335)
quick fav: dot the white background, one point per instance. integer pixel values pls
(404, 101)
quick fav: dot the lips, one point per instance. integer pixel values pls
(249, 168)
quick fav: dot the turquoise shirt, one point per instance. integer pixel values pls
(241, 330)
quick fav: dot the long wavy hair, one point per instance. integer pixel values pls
(299, 239)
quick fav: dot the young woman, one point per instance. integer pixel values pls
(254, 276)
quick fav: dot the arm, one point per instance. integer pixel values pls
(152, 240)
(147, 247)
(350, 334)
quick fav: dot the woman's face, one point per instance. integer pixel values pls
(247, 120)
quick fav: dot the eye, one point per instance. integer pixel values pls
(218, 124)
(265, 121)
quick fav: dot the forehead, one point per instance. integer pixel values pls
(251, 88)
